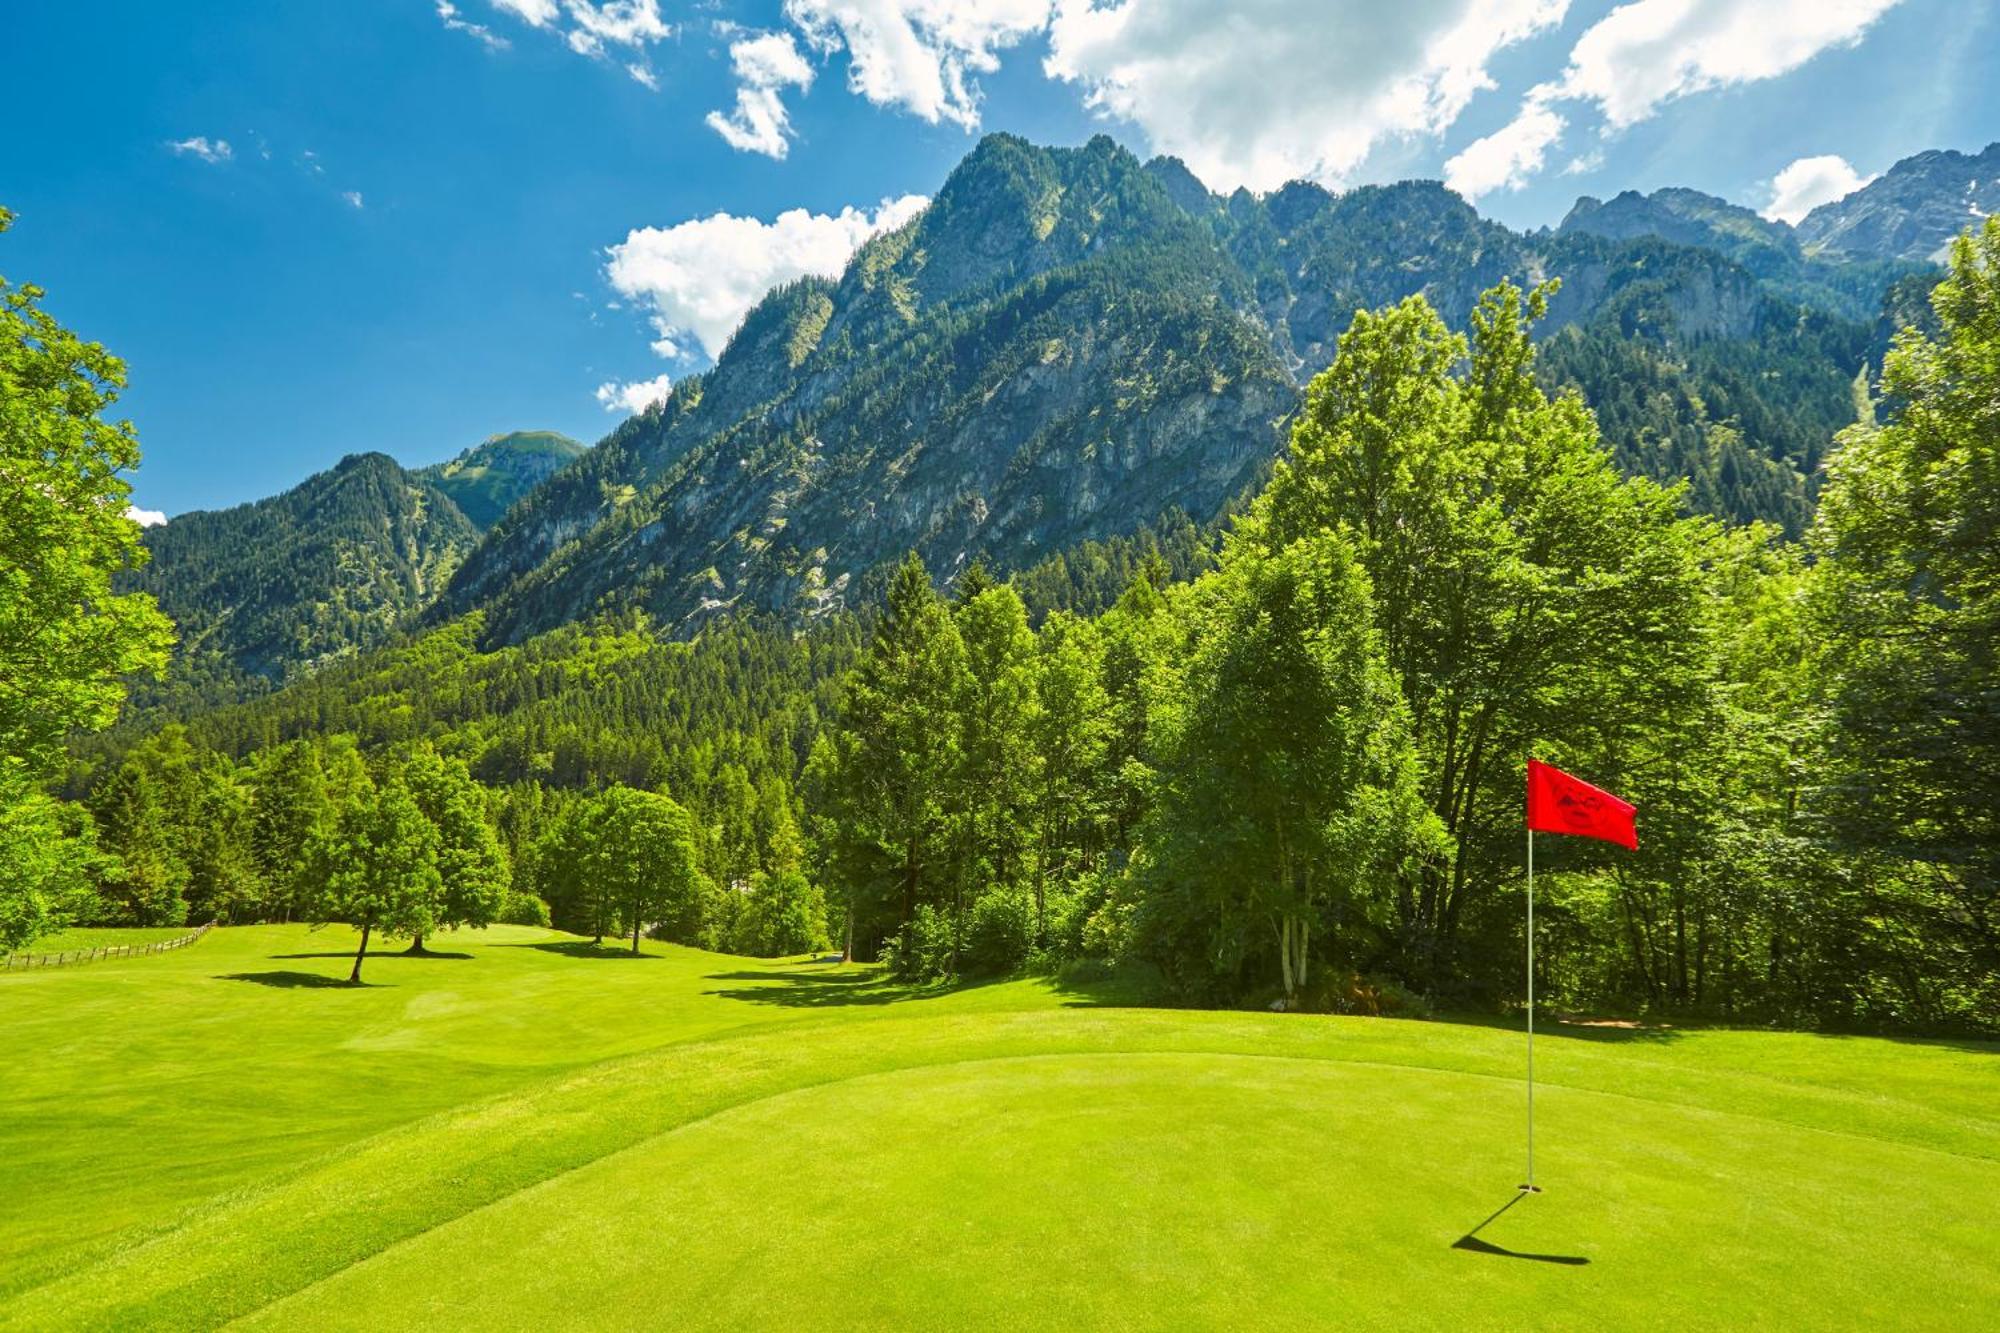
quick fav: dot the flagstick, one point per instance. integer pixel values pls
(1530, 1187)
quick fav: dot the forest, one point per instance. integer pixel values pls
(1275, 761)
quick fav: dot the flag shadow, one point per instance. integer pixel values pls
(1470, 1241)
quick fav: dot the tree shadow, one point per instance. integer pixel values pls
(373, 954)
(299, 980)
(1470, 1241)
(1612, 1031)
(580, 949)
(811, 990)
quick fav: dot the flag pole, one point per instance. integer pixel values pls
(1530, 1187)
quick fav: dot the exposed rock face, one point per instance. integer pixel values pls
(1061, 346)
(1911, 211)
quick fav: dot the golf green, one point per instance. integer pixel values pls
(544, 1134)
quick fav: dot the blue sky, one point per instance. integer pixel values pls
(435, 222)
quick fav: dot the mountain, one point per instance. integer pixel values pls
(486, 480)
(1053, 351)
(1911, 211)
(1068, 343)
(266, 590)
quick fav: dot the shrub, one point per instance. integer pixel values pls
(1000, 932)
(524, 909)
(921, 950)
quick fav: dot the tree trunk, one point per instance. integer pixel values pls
(1285, 956)
(635, 927)
(354, 977)
(417, 945)
(847, 951)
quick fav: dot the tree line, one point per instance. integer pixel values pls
(1286, 770)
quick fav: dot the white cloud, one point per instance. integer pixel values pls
(1647, 53)
(1809, 182)
(353, 198)
(591, 27)
(1506, 158)
(145, 518)
(700, 277)
(919, 55)
(539, 13)
(764, 65)
(448, 14)
(1264, 91)
(203, 147)
(636, 396)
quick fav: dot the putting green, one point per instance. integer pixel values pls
(696, 1141)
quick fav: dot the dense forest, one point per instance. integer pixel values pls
(1275, 759)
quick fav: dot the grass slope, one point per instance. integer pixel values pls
(539, 1133)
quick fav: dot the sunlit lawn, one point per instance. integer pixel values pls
(539, 1134)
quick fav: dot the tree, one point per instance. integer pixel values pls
(1286, 795)
(783, 913)
(1069, 731)
(67, 641)
(378, 869)
(994, 778)
(1911, 598)
(474, 873)
(1526, 595)
(645, 858)
(895, 749)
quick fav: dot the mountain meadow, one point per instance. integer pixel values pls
(999, 803)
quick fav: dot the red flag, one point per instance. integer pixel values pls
(1559, 803)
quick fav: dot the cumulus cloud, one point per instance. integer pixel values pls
(203, 147)
(145, 518)
(1809, 182)
(352, 198)
(1506, 158)
(699, 278)
(1647, 53)
(765, 65)
(1267, 91)
(919, 55)
(448, 14)
(636, 396)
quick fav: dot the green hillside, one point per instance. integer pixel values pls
(266, 590)
(526, 1131)
(486, 480)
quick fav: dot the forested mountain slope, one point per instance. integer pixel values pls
(328, 568)
(1068, 343)
(486, 480)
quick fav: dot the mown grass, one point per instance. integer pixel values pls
(544, 1134)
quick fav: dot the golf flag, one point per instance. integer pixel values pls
(1559, 803)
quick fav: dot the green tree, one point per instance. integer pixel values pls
(474, 872)
(1286, 797)
(896, 750)
(1523, 590)
(644, 856)
(67, 641)
(1911, 597)
(378, 869)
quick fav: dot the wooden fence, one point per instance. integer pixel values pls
(68, 956)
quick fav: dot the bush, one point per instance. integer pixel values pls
(1000, 932)
(524, 909)
(921, 950)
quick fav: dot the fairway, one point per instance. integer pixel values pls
(529, 1132)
